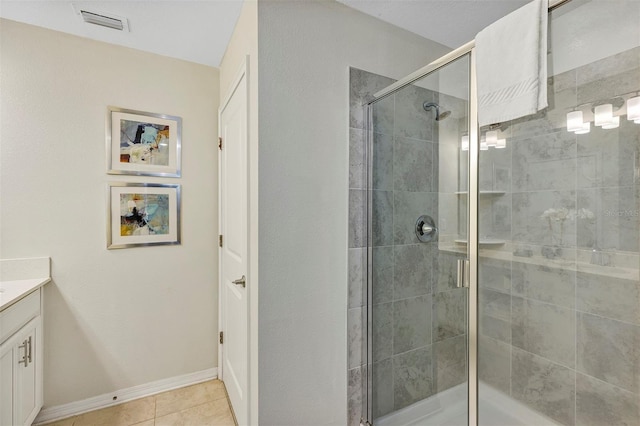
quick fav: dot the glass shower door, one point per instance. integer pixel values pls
(559, 290)
(417, 321)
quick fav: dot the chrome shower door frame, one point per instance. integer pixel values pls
(472, 226)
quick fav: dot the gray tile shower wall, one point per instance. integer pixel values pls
(419, 316)
(543, 385)
(562, 335)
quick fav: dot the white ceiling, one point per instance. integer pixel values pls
(196, 31)
(199, 30)
(449, 22)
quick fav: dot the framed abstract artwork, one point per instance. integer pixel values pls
(142, 214)
(143, 143)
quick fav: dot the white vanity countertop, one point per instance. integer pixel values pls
(20, 277)
(12, 291)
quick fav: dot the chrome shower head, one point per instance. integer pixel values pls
(439, 115)
(443, 115)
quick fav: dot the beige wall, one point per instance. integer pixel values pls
(113, 318)
(306, 49)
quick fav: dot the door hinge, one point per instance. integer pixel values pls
(220, 240)
(220, 143)
(221, 337)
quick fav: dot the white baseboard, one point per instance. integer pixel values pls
(60, 412)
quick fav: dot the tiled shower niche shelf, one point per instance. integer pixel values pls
(481, 192)
(484, 242)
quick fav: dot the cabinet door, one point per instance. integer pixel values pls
(26, 396)
(7, 380)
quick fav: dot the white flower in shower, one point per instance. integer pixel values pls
(585, 214)
(562, 214)
(557, 215)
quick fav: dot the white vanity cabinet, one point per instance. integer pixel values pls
(21, 360)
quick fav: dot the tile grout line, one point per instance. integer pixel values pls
(181, 411)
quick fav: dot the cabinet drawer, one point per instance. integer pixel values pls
(19, 314)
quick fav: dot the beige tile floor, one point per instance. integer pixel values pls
(204, 404)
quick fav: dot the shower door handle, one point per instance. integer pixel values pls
(463, 273)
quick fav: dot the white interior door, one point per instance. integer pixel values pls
(233, 253)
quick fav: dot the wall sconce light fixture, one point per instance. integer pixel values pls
(603, 115)
(464, 143)
(633, 109)
(491, 138)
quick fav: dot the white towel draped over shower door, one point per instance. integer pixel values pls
(511, 65)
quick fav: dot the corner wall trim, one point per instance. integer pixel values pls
(63, 411)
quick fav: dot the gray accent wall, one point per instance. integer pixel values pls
(305, 51)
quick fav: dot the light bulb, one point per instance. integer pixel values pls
(604, 114)
(464, 142)
(586, 128)
(492, 138)
(574, 121)
(501, 143)
(633, 109)
(615, 122)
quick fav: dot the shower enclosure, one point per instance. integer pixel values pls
(502, 263)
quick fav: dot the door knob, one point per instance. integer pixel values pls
(241, 281)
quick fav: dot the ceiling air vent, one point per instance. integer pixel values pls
(103, 19)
